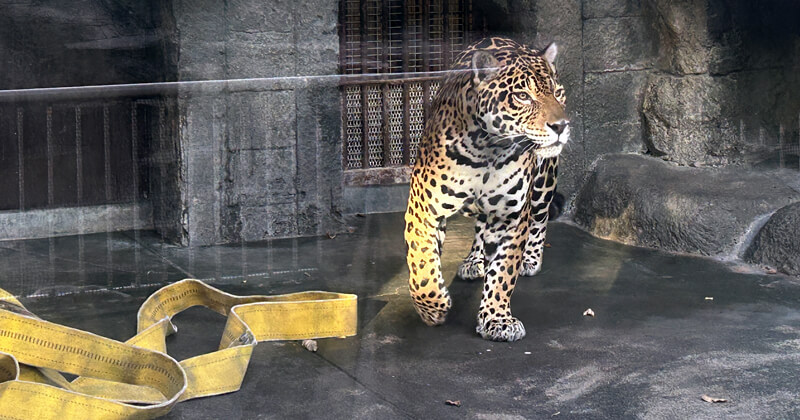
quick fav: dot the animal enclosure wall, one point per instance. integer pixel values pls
(697, 83)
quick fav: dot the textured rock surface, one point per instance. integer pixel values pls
(724, 80)
(612, 112)
(644, 201)
(683, 35)
(777, 244)
(619, 50)
(688, 119)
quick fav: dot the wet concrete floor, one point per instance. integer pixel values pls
(654, 347)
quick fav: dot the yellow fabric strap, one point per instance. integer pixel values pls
(137, 379)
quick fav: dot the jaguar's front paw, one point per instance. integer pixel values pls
(471, 269)
(501, 329)
(530, 268)
(433, 313)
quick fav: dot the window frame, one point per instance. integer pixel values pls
(421, 60)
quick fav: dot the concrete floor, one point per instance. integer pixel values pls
(656, 345)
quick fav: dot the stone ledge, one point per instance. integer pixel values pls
(639, 200)
(69, 221)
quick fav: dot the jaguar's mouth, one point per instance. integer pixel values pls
(552, 150)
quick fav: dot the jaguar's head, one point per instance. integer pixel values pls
(518, 98)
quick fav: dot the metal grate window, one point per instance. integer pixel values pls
(383, 119)
(66, 153)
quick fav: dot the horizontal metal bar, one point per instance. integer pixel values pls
(212, 87)
(389, 79)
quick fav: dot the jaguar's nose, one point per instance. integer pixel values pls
(558, 127)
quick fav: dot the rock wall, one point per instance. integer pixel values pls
(607, 49)
(725, 80)
(695, 82)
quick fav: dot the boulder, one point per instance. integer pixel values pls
(777, 244)
(644, 201)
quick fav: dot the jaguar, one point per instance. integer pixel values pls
(489, 150)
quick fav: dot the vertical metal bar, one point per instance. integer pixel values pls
(342, 67)
(50, 192)
(295, 257)
(107, 181)
(135, 182)
(79, 190)
(426, 86)
(51, 244)
(243, 250)
(21, 157)
(78, 156)
(364, 52)
(106, 154)
(446, 47)
(466, 19)
(406, 104)
(135, 156)
(386, 68)
(342, 36)
(781, 157)
(383, 66)
(162, 166)
(164, 151)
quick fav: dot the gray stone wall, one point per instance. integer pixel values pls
(696, 82)
(725, 80)
(264, 162)
(606, 50)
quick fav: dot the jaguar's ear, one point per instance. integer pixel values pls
(550, 54)
(484, 65)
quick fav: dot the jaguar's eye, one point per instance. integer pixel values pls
(523, 97)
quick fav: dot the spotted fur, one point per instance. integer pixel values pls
(489, 150)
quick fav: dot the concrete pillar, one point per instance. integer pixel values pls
(261, 163)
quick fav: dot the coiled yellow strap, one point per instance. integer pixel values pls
(137, 379)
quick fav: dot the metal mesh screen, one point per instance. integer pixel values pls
(434, 87)
(353, 127)
(384, 121)
(374, 125)
(417, 118)
(374, 38)
(351, 28)
(435, 36)
(395, 125)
